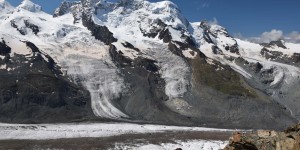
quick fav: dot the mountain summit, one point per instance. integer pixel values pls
(29, 6)
(134, 60)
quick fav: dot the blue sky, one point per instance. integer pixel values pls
(250, 18)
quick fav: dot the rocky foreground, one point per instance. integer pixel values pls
(266, 140)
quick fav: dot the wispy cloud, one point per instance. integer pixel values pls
(272, 35)
(214, 21)
(205, 5)
(293, 37)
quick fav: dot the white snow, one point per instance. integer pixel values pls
(126, 23)
(59, 131)
(85, 59)
(282, 72)
(185, 145)
(173, 70)
(189, 53)
(5, 8)
(248, 49)
(3, 66)
(127, 52)
(220, 41)
(101, 80)
(30, 6)
(149, 147)
(17, 46)
(291, 48)
(176, 34)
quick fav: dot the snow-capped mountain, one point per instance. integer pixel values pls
(134, 60)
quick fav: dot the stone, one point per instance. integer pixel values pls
(266, 140)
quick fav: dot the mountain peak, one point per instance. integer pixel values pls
(278, 43)
(5, 8)
(4, 4)
(65, 7)
(30, 6)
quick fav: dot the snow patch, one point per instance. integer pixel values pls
(291, 49)
(17, 46)
(185, 145)
(3, 66)
(58, 131)
(5, 8)
(176, 34)
(189, 53)
(30, 6)
(127, 52)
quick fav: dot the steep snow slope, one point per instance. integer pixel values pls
(83, 58)
(5, 8)
(29, 6)
(215, 43)
(129, 21)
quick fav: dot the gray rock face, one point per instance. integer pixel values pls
(99, 32)
(278, 56)
(69, 7)
(36, 92)
(4, 49)
(278, 43)
(211, 34)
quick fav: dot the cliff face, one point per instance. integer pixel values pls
(266, 140)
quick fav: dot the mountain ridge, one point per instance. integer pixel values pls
(143, 61)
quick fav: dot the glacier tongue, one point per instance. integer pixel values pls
(174, 71)
(85, 59)
(101, 80)
(127, 19)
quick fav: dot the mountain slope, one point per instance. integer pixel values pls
(145, 62)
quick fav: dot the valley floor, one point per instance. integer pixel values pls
(111, 136)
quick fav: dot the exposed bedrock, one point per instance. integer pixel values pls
(145, 98)
(217, 96)
(222, 97)
(279, 82)
(34, 91)
(99, 32)
(266, 140)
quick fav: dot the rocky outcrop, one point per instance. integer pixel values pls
(266, 140)
(35, 29)
(278, 43)
(215, 35)
(145, 95)
(269, 52)
(64, 8)
(33, 90)
(101, 33)
(20, 30)
(4, 49)
(69, 7)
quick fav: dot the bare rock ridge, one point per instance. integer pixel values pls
(266, 140)
(140, 61)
